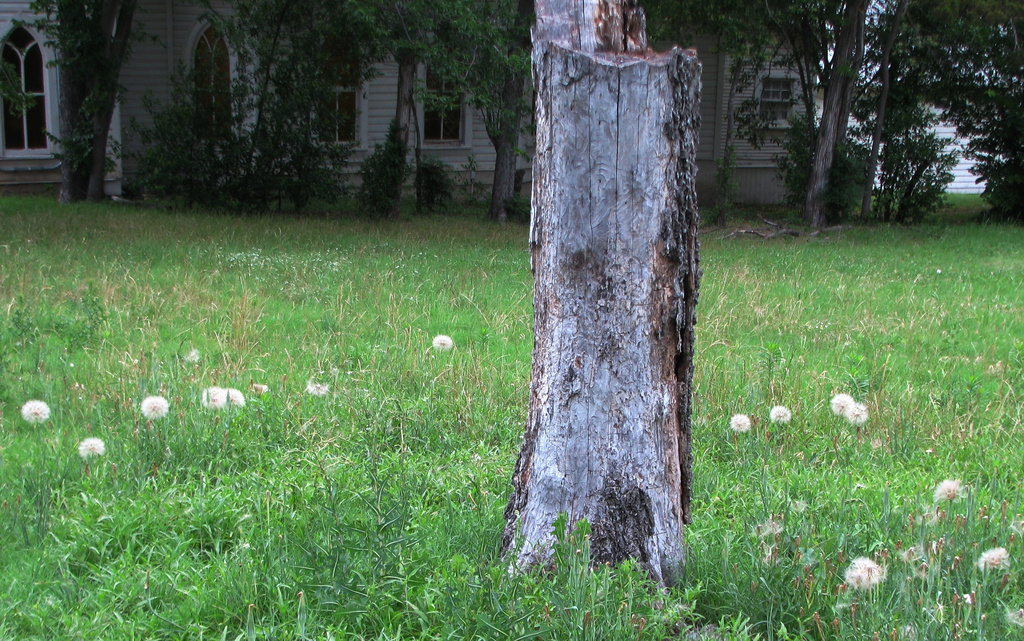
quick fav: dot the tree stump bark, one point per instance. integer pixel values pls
(614, 253)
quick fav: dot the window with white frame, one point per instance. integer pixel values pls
(776, 99)
(442, 112)
(25, 125)
(342, 70)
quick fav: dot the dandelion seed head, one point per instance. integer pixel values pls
(91, 447)
(235, 398)
(910, 555)
(780, 414)
(259, 389)
(35, 411)
(154, 407)
(994, 559)
(317, 389)
(443, 343)
(948, 490)
(841, 404)
(857, 414)
(771, 527)
(215, 398)
(739, 423)
(1015, 617)
(864, 574)
(1017, 525)
(193, 356)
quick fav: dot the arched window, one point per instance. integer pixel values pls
(25, 129)
(212, 72)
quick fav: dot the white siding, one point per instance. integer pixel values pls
(963, 179)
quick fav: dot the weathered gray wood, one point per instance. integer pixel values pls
(614, 254)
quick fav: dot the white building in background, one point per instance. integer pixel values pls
(176, 33)
(964, 182)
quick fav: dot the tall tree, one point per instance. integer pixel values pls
(835, 112)
(883, 99)
(92, 40)
(614, 252)
(504, 109)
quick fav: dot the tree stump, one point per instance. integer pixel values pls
(614, 253)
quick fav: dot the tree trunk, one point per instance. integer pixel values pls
(503, 185)
(615, 259)
(74, 176)
(840, 82)
(403, 113)
(883, 98)
(507, 123)
(87, 96)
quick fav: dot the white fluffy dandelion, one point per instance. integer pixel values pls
(780, 414)
(443, 343)
(948, 490)
(35, 411)
(259, 389)
(739, 423)
(91, 447)
(841, 404)
(864, 574)
(857, 414)
(994, 559)
(193, 356)
(235, 398)
(769, 528)
(317, 389)
(154, 407)
(1015, 617)
(215, 398)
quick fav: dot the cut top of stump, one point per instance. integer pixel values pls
(592, 26)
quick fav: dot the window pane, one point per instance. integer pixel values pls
(34, 70)
(442, 124)
(451, 129)
(212, 69)
(21, 38)
(346, 116)
(432, 123)
(14, 135)
(13, 58)
(35, 123)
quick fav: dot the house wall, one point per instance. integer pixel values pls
(169, 29)
(756, 171)
(963, 179)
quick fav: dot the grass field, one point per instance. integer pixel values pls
(375, 511)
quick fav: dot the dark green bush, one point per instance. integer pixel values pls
(435, 184)
(383, 173)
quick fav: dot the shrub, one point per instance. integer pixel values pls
(915, 169)
(435, 184)
(383, 173)
(270, 136)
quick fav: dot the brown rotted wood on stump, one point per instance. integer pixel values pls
(614, 255)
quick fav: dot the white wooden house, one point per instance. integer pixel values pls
(176, 33)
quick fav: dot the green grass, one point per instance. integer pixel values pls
(375, 512)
